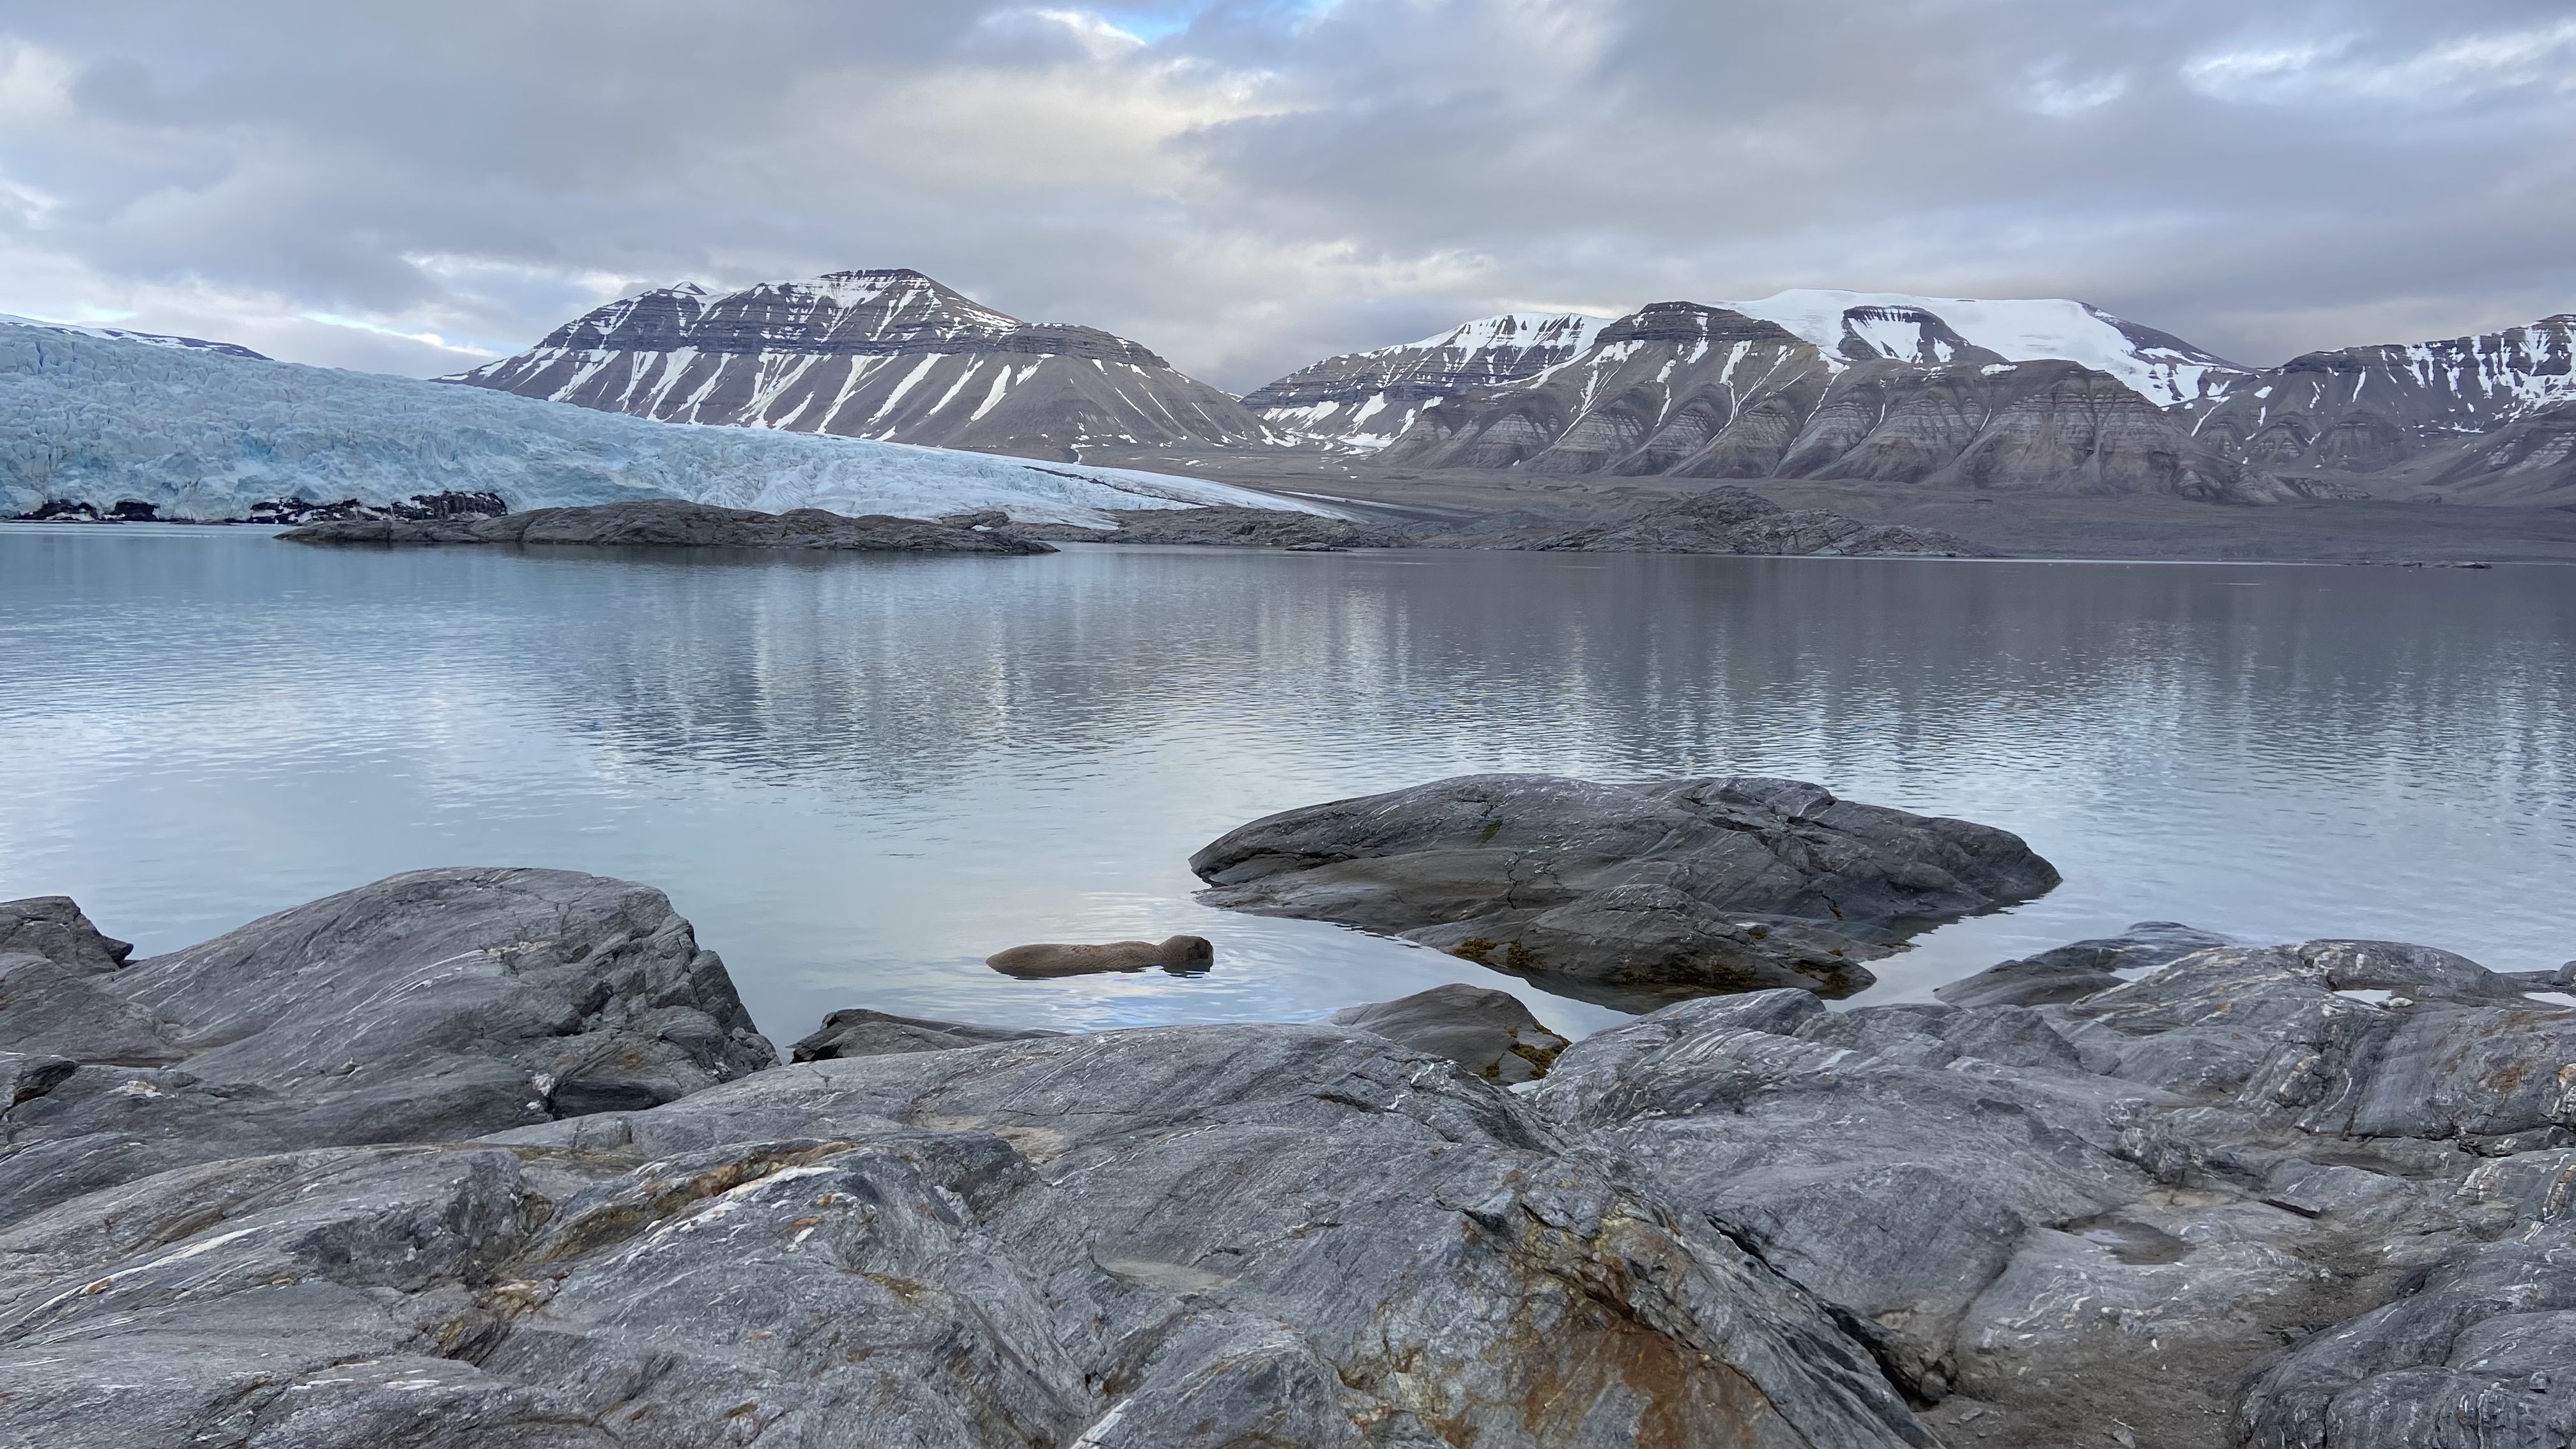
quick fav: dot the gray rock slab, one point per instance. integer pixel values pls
(1644, 892)
(1490, 1033)
(430, 1006)
(1203, 1235)
(2118, 1211)
(54, 928)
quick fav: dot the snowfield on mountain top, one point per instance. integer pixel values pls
(2158, 366)
(202, 432)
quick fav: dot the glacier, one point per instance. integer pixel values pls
(204, 430)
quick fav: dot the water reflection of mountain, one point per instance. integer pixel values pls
(903, 676)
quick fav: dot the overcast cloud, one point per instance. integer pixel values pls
(1246, 186)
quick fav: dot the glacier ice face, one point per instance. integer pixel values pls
(203, 433)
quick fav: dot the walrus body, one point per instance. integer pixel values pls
(1179, 955)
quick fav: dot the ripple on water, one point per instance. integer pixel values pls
(859, 776)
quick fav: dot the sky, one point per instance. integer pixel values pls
(1248, 185)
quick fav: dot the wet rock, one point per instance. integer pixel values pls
(859, 1032)
(1629, 892)
(430, 1006)
(671, 523)
(1490, 1033)
(1179, 955)
(2075, 971)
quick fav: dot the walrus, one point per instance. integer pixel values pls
(1180, 955)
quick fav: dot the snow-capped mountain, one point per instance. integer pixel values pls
(1875, 326)
(889, 355)
(2365, 409)
(1712, 392)
(207, 432)
(1363, 400)
(148, 339)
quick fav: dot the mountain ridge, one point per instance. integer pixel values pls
(889, 355)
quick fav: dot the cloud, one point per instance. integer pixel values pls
(1245, 186)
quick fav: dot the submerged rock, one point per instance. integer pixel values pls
(1488, 1032)
(1179, 955)
(430, 1006)
(663, 522)
(1638, 892)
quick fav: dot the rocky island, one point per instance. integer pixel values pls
(1633, 894)
(671, 523)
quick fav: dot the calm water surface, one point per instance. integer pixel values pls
(859, 776)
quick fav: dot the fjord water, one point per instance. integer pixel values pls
(860, 775)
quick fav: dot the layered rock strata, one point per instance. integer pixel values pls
(1705, 392)
(1365, 400)
(669, 523)
(1627, 892)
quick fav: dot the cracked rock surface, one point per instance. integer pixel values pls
(2298, 1197)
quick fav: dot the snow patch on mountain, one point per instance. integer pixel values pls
(148, 339)
(2165, 370)
(204, 432)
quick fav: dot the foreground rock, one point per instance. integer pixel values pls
(674, 524)
(1490, 1033)
(2151, 1208)
(2297, 1197)
(1202, 1236)
(1738, 521)
(1640, 892)
(1179, 955)
(428, 1007)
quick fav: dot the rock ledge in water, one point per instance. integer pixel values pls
(1641, 892)
(671, 523)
